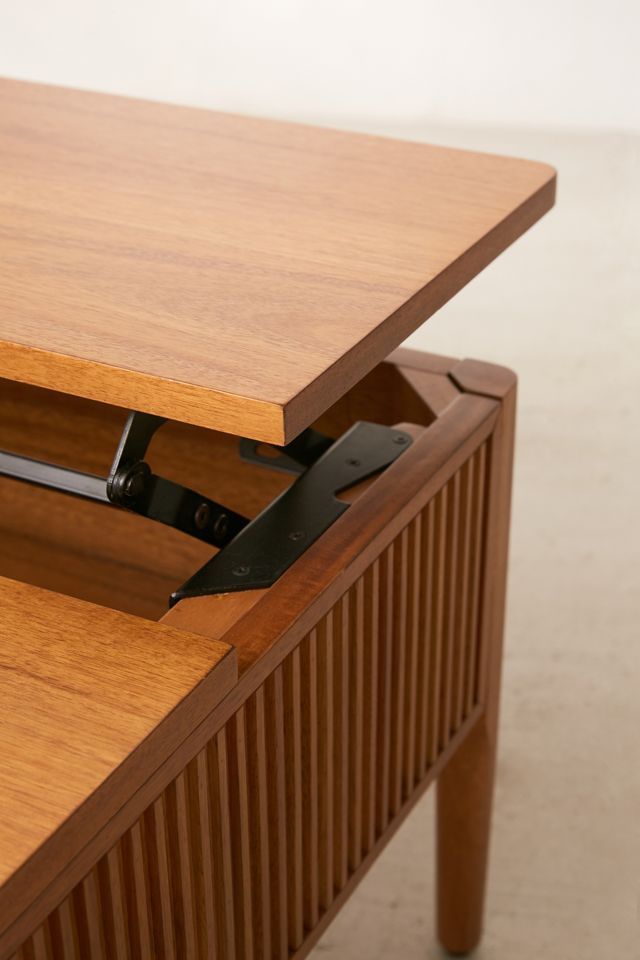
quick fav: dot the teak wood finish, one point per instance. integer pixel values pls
(240, 813)
(233, 273)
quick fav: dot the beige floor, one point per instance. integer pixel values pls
(562, 308)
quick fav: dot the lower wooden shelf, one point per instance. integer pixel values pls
(369, 670)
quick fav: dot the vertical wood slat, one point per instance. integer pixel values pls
(77, 921)
(68, 930)
(293, 764)
(371, 582)
(449, 626)
(355, 695)
(223, 878)
(190, 859)
(341, 742)
(436, 621)
(414, 577)
(248, 847)
(478, 536)
(179, 874)
(238, 827)
(113, 904)
(310, 761)
(95, 935)
(53, 935)
(399, 674)
(207, 868)
(461, 585)
(386, 609)
(135, 924)
(139, 907)
(325, 760)
(425, 638)
(277, 803)
(40, 947)
(259, 821)
(165, 935)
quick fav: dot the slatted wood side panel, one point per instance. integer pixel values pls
(250, 845)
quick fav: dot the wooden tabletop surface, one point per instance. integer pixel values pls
(236, 273)
(88, 695)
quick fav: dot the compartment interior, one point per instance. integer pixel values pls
(115, 558)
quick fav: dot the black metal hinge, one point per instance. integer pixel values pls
(252, 554)
(271, 543)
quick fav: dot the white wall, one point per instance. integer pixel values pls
(546, 63)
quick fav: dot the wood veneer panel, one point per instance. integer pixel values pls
(236, 273)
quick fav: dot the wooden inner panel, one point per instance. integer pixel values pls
(114, 558)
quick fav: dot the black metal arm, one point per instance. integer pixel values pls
(133, 486)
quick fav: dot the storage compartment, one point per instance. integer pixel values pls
(110, 556)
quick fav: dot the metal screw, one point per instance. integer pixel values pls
(352, 462)
(241, 571)
(399, 440)
(296, 535)
(221, 527)
(202, 516)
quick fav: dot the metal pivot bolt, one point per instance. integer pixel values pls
(131, 483)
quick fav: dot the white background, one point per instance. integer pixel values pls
(550, 63)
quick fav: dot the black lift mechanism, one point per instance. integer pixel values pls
(133, 486)
(254, 553)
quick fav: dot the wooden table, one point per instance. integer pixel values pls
(213, 779)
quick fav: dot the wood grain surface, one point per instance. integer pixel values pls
(82, 688)
(230, 272)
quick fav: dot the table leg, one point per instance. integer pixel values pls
(465, 787)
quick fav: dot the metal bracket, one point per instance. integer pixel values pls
(294, 458)
(278, 536)
(133, 486)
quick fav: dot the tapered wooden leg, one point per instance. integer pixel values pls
(465, 787)
(465, 790)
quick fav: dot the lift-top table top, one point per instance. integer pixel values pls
(236, 273)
